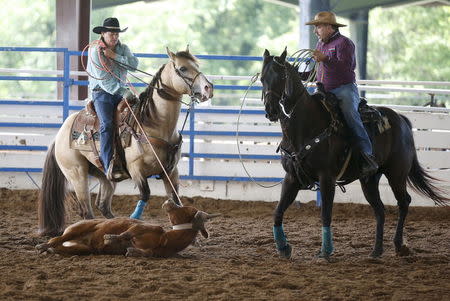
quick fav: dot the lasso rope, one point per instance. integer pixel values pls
(305, 56)
(252, 81)
(300, 56)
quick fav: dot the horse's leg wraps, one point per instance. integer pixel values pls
(139, 209)
(327, 241)
(280, 238)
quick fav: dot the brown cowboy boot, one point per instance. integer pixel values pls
(116, 171)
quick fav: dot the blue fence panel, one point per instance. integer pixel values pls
(191, 133)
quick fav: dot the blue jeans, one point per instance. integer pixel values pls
(349, 102)
(105, 106)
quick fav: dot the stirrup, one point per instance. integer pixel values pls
(370, 166)
(116, 174)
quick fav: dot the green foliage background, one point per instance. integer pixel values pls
(405, 43)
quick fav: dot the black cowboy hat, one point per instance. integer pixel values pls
(110, 24)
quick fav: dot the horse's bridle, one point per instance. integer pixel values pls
(186, 79)
(282, 97)
(171, 93)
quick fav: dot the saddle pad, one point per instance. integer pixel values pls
(84, 128)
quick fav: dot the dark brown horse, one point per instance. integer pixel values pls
(313, 150)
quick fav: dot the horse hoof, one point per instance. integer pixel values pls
(42, 247)
(133, 252)
(403, 251)
(286, 252)
(376, 254)
(322, 256)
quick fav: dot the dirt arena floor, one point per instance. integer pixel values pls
(238, 261)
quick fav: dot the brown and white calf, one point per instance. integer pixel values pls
(131, 237)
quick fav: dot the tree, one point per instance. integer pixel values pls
(405, 43)
(27, 23)
(410, 43)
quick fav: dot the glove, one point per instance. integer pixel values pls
(129, 96)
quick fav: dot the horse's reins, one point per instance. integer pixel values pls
(104, 67)
(148, 140)
(309, 146)
(123, 65)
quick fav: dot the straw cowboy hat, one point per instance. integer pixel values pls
(325, 17)
(110, 24)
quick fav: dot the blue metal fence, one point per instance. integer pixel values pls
(191, 133)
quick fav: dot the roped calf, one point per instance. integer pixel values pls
(131, 237)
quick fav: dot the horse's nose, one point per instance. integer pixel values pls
(209, 90)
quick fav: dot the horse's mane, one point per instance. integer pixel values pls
(149, 90)
(293, 79)
(146, 102)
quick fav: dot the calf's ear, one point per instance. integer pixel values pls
(198, 223)
(169, 205)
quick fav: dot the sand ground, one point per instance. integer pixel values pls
(238, 261)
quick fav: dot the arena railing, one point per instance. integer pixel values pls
(203, 129)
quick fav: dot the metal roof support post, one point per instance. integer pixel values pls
(67, 84)
(191, 139)
(308, 9)
(359, 25)
(72, 32)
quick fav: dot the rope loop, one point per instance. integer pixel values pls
(252, 81)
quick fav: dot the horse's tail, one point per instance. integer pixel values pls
(421, 181)
(51, 209)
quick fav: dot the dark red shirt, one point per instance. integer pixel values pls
(339, 68)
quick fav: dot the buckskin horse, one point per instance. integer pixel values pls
(158, 113)
(313, 150)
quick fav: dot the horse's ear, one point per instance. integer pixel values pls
(187, 48)
(266, 53)
(171, 55)
(283, 55)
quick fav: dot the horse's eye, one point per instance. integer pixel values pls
(183, 69)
